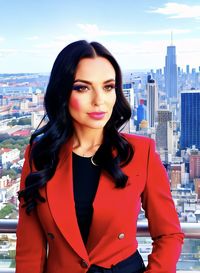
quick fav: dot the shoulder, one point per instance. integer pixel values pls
(143, 148)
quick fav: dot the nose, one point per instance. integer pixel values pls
(98, 97)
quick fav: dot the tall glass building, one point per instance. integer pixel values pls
(171, 72)
(152, 102)
(190, 118)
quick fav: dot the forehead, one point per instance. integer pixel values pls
(95, 69)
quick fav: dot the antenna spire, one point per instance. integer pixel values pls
(171, 37)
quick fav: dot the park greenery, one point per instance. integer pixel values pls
(7, 210)
(6, 141)
(21, 121)
(13, 173)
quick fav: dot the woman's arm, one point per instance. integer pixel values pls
(31, 243)
(162, 217)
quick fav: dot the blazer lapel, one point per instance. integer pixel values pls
(61, 201)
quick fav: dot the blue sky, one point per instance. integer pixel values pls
(137, 32)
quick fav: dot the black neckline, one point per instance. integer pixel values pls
(79, 156)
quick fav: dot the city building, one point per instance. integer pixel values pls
(187, 69)
(194, 166)
(5, 181)
(128, 92)
(8, 156)
(38, 98)
(36, 118)
(190, 119)
(141, 113)
(22, 133)
(24, 105)
(152, 101)
(175, 175)
(164, 131)
(171, 72)
(197, 186)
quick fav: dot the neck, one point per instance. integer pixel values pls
(86, 141)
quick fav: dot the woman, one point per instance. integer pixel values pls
(83, 182)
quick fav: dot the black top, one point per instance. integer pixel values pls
(85, 184)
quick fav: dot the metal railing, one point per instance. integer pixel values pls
(191, 231)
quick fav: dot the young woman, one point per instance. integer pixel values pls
(83, 182)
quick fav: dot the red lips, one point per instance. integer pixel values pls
(97, 115)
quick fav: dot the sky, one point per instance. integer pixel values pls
(32, 33)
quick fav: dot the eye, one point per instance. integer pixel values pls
(80, 88)
(109, 87)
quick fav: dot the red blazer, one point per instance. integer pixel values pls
(49, 239)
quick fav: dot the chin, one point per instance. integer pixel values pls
(98, 125)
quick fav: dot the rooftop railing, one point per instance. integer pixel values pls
(191, 231)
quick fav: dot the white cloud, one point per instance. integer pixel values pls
(90, 32)
(2, 39)
(178, 11)
(140, 48)
(66, 38)
(137, 53)
(58, 42)
(32, 52)
(49, 45)
(32, 38)
(6, 52)
(94, 31)
(166, 31)
(151, 53)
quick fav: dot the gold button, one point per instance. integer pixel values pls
(84, 264)
(121, 236)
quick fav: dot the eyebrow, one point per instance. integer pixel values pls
(88, 82)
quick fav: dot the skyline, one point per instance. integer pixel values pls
(137, 34)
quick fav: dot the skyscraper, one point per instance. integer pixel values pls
(197, 186)
(164, 131)
(195, 166)
(141, 113)
(190, 118)
(187, 69)
(128, 92)
(171, 72)
(152, 101)
(175, 175)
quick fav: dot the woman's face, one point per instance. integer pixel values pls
(93, 95)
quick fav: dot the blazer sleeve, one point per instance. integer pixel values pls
(162, 217)
(31, 242)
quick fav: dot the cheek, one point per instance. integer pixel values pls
(112, 100)
(74, 104)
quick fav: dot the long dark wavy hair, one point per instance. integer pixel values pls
(46, 142)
